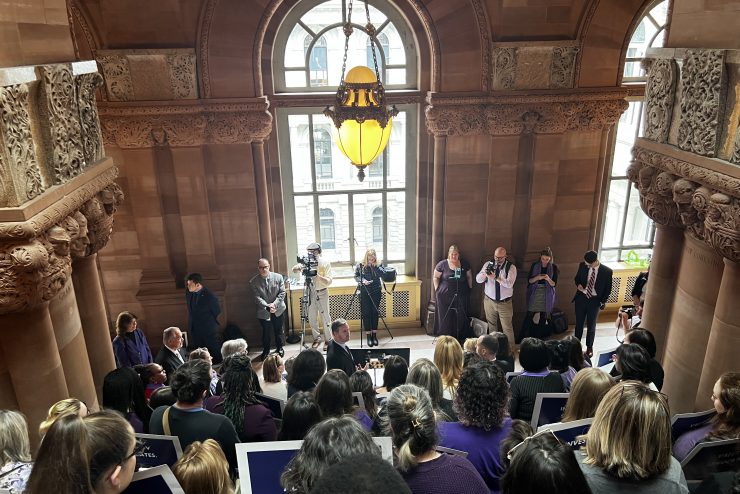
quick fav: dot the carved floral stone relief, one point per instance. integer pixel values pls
(563, 66)
(117, 78)
(504, 68)
(60, 124)
(92, 138)
(735, 158)
(182, 75)
(722, 225)
(659, 94)
(702, 100)
(20, 178)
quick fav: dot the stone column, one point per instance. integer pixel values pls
(662, 286)
(263, 200)
(438, 199)
(91, 306)
(35, 368)
(699, 277)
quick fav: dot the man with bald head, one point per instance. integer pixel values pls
(269, 295)
(499, 276)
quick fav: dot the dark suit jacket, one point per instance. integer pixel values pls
(603, 285)
(203, 310)
(338, 358)
(169, 361)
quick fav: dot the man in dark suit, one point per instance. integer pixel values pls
(171, 356)
(594, 283)
(203, 311)
(338, 355)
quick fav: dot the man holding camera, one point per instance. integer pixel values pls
(318, 293)
(594, 284)
(499, 276)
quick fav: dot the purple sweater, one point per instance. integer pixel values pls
(686, 442)
(447, 474)
(258, 423)
(482, 447)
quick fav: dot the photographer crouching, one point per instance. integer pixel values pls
(318, 276)
(629, 317)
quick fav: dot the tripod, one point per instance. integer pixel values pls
(355, 295)
(455, 306)
(305, 302)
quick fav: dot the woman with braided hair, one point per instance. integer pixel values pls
(252, 420)
(411, 421)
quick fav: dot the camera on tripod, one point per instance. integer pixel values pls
(310, 265)
(489, 267)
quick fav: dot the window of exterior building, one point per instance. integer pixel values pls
(322, 197)
(627, 230)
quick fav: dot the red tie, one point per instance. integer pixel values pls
(591, 282)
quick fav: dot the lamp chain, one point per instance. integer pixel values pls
(371, 32)
(347, 33)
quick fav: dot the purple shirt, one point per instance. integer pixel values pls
(482, 447)
(447, 474)
(686, 441)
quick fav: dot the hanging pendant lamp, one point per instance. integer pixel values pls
(362, 122)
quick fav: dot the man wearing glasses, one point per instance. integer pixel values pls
(269, 295)
(499, 276)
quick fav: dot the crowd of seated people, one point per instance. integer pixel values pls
(460, 401)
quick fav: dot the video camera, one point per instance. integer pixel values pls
(310, 265)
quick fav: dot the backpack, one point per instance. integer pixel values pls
(559, 321)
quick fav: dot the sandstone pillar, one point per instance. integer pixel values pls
(91, 307)
(699, 277)
(662, 286)
(438, 192)
(71, 345)
(263, 200)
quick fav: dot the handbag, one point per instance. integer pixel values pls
(388, 275)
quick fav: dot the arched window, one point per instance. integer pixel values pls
(626, 228)
(322, 198)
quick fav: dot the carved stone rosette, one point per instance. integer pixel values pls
(92, 137)
(60, 124)
(702, 100)
(512, 115)
(187, 125)
(20, 179)
(659, 95)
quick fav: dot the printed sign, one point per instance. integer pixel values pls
(158, 450)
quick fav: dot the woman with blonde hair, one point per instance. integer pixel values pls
(62, 407)
(413, 430)
(453, 280)
(629, 444)
(448, 357)
(15, 451)
(368, 273)
(203, 469)
(586, 391)
(426, 375)
(130, 345)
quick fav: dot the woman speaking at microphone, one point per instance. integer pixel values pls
(452, 283)
(369, 273)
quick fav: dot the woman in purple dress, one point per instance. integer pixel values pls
(130, 346)
(453, 281)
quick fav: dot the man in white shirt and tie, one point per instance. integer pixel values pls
(338, 355)
(170, 356)
(499, 276)
(594, 285)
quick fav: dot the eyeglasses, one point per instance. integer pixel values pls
(510, 454)
(264, 267)
(138, 448)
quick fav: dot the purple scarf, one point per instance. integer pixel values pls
(549, 290)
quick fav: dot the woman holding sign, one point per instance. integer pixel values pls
(453, 281)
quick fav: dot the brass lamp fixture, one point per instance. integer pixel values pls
(362, 122)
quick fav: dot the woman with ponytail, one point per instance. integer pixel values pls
(413, 429)
(91, 455)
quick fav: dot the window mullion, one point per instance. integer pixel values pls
(351, 216)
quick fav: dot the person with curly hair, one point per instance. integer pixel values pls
(308, 367)
(325, 444)
(448, 357)
(412, 425)
(481, 400)
(252, 420)
(725, 425)
(15, 452)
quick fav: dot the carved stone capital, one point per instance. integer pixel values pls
(722, 225)
(656, 196)
(98, 213)
(449, 115)
(203, 122)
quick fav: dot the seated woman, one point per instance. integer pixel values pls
(205, 355)
(252, 420)
(413, 429)
(481, 401)
(576, 359)
(536, 378)
(308, 367)
(559, 353)
(124, 392)
(152, 377)
(628, 447)
(325, 444)
(300, 414)
(272, 378)
(542, 460)
(395, 370)
(361, 382)
(725, 425)
(586, 392)
(334, 396)
(130, 346)
(646, 340)
(203, 469)
(426, 375)
(15, 452)
(62, 407)
(91, 455)
(504, 358)
(448, 357)
(632, 363)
